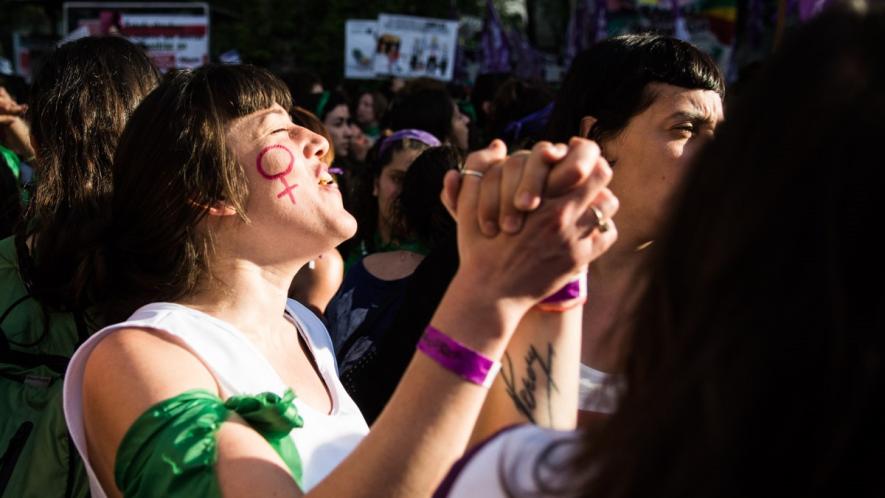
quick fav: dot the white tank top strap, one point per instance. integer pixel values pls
(239, 368)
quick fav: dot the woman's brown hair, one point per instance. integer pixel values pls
(81, 98)
(172, 165)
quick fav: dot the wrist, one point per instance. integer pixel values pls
(480, 291)
(457, 358)
(478, 318)
(572, 295)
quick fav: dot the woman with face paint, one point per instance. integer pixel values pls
(221, 385)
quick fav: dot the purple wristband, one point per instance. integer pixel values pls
(458, 358)
(575, 289)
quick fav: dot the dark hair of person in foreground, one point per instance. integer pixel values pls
(756, 359)
(609, 81)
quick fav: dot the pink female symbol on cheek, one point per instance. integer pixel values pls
(287, 189)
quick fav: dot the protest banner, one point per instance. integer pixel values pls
(412, 47)
(174, 34)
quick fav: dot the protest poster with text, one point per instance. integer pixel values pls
(175, 35)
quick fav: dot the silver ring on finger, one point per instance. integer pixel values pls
(470, 172)
(601, 223)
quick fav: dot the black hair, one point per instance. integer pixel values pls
(517, 99)
(301, 83)
(609, 81)
(484, 90)
(321, 104)
(10, 201)
(364, 203)
(423, 105)
(418, 212)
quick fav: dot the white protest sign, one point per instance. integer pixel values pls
(359, 48)
(412, 47)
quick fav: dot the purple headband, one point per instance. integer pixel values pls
(419, 135)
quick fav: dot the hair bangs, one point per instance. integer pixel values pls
(243, 89)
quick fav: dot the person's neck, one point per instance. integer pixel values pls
(247, 295)
(620, 262)
(613, 283)
(383, 232)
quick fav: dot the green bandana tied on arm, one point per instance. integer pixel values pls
(171, 449)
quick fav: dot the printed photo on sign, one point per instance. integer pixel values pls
(175, 35)
(413, 47)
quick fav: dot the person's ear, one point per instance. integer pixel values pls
(219, 208)
(587, 123)
(375, 187)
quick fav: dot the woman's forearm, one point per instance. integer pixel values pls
(538, 382)
(427, 424)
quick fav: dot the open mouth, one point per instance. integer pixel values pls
(326, 179)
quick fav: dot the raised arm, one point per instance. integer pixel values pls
(538, 382)
(427, 424)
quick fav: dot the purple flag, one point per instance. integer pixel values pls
(495, 45)
(580, 30)
(600, 28)
(529, 62)
(810, 8)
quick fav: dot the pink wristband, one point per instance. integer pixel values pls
(458, 358)
(570, 295)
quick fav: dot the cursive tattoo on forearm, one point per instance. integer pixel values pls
(524, 394)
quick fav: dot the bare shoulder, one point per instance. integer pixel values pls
(144, 366)
(129, 371)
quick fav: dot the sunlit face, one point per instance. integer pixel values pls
(365, 110)
(389, 184)
(460, 132)
(337, 121)
(651, 155)
(292, 198)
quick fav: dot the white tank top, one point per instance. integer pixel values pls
(239, 368)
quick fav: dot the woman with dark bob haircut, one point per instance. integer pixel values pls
(756, 356)
(213, 214)
(650, 102)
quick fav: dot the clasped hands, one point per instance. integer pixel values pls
(529, 222)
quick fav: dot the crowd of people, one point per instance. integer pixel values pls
(229, 282)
